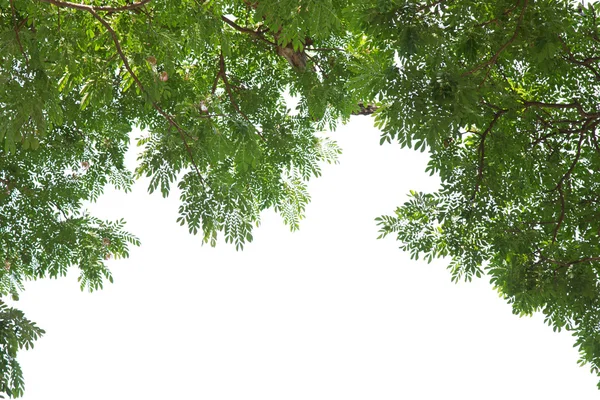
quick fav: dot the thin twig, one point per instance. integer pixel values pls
(587, 63)
(16, 29)
(89, 8)
(575, 105)
(257, 34)
(573, 164)
(479, 178)
(137, 81)
(223, 75)
(561, 217)
(494, 58)
(563, 264)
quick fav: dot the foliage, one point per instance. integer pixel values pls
(504, 95)
(501, 93)
(16, 332)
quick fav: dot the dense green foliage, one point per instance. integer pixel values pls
(502, 94)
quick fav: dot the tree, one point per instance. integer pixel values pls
(501, 93)
(504, 95)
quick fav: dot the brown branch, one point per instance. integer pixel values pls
(223, 75)
(595, 141)
(587, 63)
(137, 81)
(587, 259)
(495, 20)
(563, 264)
(89, 8)
(573, 164)
(479, 178)
(575, 105)
(181, 132)
(430, 5)
(16, 28)
(561, 217)
(257, 34)
(365, 109)
(494, 58)
(326, 49)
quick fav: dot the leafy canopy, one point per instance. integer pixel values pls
(502, 94)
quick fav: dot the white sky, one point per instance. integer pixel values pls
(328, 312)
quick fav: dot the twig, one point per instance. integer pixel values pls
(223, 75)
(479, 178)
(257, 34)
(573, 164)
(16, 29)
(587, 63)
(430, 5)
(326, 49)
(576, 105)
(89, 8)
(562, 212)
(563, 264)
(494, 58)
(137, 81)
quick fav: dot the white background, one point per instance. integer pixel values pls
(328, 312)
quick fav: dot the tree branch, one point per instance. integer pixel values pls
(16, 28)
(89, 8)
(573, 164)
(257, 34)
(479, 178)
(563, 264)
(587, 63)
(223, 75)
(561, 217)
(494, 58)
(115, 38)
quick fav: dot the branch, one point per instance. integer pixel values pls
(494, 58)
(256, 34)
(115, 38)
(429, 6)
(575, 104)
(573, 164)
(365, 109)
(562, 264)
(482, 151)
(16, 28)
(495, 20)
(561, 217)
(326, 49)
(587, 63)
(595, 141)
(223, 75)
(89, 8)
